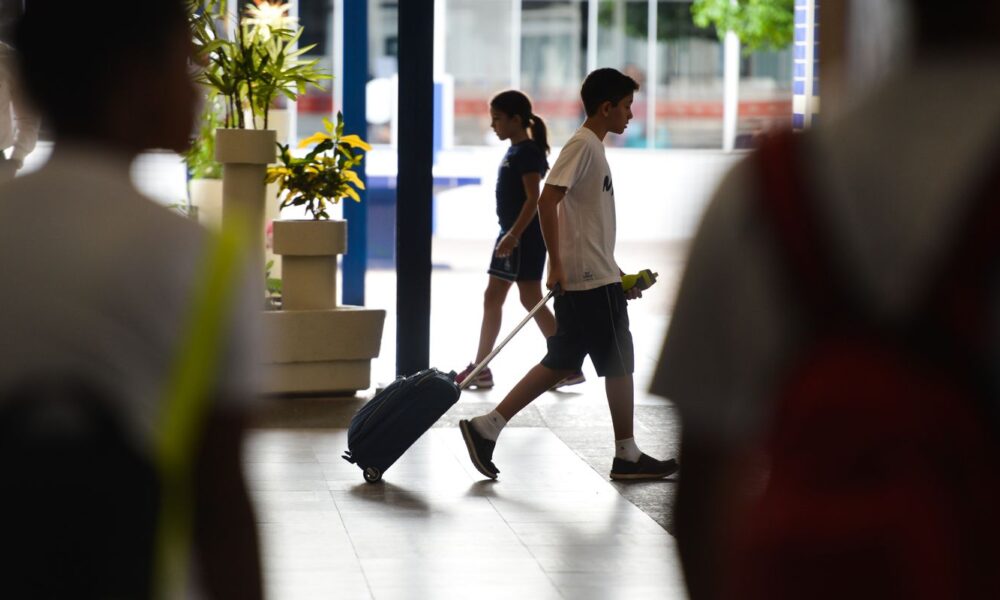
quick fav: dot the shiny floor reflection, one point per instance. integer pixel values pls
(551, 527)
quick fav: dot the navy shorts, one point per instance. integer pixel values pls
(526, 262)
(595, 323)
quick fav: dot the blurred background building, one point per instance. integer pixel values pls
(545, 48)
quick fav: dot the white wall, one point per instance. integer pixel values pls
(659, 195)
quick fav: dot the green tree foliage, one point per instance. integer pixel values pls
(760, 24)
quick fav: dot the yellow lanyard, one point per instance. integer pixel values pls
(187, 404)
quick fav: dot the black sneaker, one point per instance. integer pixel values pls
(646, 467)
(480, 449)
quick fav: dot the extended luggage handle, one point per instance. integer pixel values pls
(531, 313)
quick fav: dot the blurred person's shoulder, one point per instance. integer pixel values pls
(106, 277)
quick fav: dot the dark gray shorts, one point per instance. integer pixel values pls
(595, 323)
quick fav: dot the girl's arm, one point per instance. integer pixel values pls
(531, 181)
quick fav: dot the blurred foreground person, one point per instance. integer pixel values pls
(124, 375)
(834, 346)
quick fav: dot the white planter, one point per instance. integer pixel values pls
(206, 194)
(309, 252)
(245, 154)
(321, 351)
(314, 344)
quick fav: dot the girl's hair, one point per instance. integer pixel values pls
(515, 104)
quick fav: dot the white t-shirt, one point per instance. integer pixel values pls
(892, 180)
(99, 281)
(587, 222)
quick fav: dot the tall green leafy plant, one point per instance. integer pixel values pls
(251, 70)
(323, 176)
(760, 24)
(284, 73)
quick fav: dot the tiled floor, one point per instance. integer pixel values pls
(551, 527)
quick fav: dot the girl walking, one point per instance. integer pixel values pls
(519, 253)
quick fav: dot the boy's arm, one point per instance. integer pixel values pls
(552, 195)
(507, 243)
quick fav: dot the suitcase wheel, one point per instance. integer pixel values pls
(372, 474)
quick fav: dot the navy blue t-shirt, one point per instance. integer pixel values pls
(525, 157)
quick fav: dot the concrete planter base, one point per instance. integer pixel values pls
(316, 346)
(321, 351)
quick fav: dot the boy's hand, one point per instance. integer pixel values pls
(633, 293)
(556, 277)
(633, 285)
(507, 244)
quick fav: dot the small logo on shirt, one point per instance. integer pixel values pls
(588, 276)
(608, 186)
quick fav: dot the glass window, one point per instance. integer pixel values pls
(554, 62)
(549, 61)
(383, 65)
(316, 18)
(478, 55)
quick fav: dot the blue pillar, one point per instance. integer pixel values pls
(807, 47)
(355, 78)
(414, 207)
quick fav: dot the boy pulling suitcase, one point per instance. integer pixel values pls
(577, 215)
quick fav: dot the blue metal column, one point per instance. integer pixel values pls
(355, 78)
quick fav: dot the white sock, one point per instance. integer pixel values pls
(627, 450)
(489, 426)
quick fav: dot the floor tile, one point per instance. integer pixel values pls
(551, 527)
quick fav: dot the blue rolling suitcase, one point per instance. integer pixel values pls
(385, 427)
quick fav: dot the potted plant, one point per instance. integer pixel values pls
(261, 62)
(247, 73)
(321, 178)
(317, 345)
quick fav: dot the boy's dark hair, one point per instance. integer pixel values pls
(72, 55)
(606, 85)
(515, 104)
